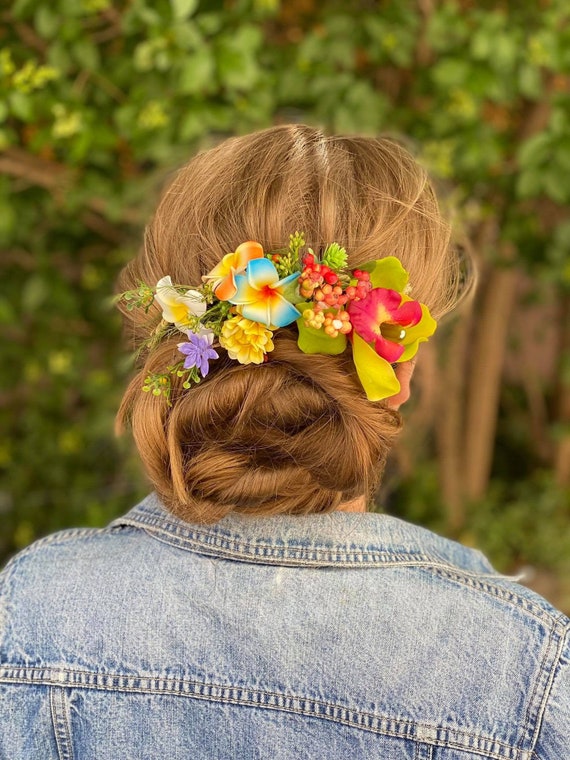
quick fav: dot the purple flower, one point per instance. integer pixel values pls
(198, 351)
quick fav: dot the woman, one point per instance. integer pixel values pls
(251, 607)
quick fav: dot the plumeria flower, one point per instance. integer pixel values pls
(198, 351)
(262, 297)
(223, 274)
(177, 308)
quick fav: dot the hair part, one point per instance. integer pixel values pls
(297, 434)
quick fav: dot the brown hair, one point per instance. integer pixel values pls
(296, 434)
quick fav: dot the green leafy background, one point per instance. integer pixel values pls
(100, 100)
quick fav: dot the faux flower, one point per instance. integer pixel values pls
(263, 297)
(388, 327)
(198, 351)
(246, 340)
(383, 318)
(178, 308)
(223, 274)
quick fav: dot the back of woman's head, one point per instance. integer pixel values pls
(295, 434)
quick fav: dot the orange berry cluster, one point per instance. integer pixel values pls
(337, 323)
(362, 288)
(322, 285)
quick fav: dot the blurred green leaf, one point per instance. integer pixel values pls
(183, 8)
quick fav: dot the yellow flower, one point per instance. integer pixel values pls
(246, 341)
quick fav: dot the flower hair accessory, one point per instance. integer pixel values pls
(250, 294)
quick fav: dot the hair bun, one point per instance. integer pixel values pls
(295, 435)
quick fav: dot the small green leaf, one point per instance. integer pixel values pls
(47, 22)
(21, 106)
(181, 9)
(451, 72)
(87, 55)
(197, 74)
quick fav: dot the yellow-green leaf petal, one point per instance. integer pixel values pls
(387, 273)
(418, 334)
(313, 341)
(375, 373)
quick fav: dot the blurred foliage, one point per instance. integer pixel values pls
(98, 100)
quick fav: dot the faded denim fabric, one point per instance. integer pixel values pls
(327, 636)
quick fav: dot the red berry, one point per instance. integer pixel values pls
(309, 259)
(331, 277)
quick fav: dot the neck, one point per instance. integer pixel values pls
(356, 505)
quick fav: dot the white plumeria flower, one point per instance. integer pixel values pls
(178, 307)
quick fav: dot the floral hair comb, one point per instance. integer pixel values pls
(250, 294)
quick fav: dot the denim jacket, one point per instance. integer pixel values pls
(327, 636)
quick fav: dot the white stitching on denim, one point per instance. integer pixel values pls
(490, 748)
(548, 688)
(61, 723)
(423, 751)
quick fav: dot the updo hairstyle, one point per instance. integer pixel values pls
(295, 435)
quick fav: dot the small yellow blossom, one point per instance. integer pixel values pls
(66, 123)
(153, 116)
(246, 341)
(32, 76)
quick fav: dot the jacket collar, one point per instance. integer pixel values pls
(333, 539)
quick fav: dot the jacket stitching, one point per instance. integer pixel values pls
(60, 721)
(547, 690)
(493, 749)
(531, 712)
(424, 751)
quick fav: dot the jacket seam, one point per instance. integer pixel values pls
(490, 748)
(243, 549)
(60, 723)
(475, 581)
(54, 538)
(564, 640)
(267, 554)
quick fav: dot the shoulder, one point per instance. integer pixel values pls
(58, 553)
(64, 572)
